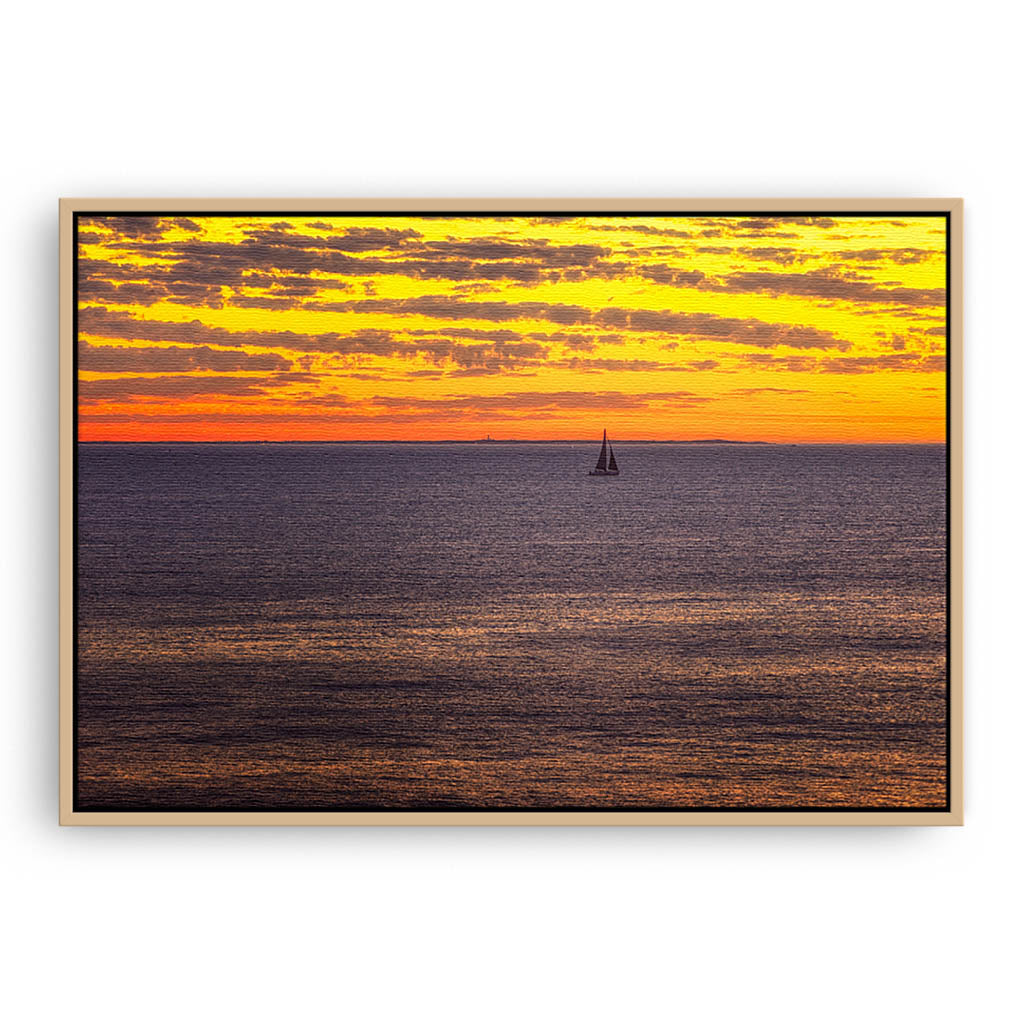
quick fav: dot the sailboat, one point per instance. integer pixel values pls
(606, 465)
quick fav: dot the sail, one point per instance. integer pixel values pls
(602, 459)
(611, 460)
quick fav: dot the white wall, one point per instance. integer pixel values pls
(293, 99)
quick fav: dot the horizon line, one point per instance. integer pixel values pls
(487, 441)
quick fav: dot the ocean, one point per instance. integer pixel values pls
(467, 626)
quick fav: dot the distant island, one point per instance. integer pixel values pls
(513, 440)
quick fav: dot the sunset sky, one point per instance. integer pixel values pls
(782, 328)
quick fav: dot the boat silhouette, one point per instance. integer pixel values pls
(606, 465)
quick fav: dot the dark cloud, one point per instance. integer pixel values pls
(772, 254)
(127, 226)
(775, 223)
(881, 255)
(762, 253)
(476, 335)
(823, 284)
(276, 249)
(501, 336)
(197, 271)
(115, 324)
(174, 359)
(747, 392)
(204, 272)
(499, 349)
(262, 302)
(645, 229)
(848, 364)
(452, 259)
(720, 328)
(664, 274)
(534, 250)
(788, 256)
(358, 239)
(200, 270)
(767, 361)
(532, 400)
(495, 358)
(488, 370)
(332, 400)
(580, 342)
(131, 293)
(280, 267)
(695, 325)
(136, 226)
(817, 222)
(442, 307)
(617, 365)
(592, 365)
(893, 361)
(106, 323)
(179, 387)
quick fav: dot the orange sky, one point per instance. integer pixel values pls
(799, 328)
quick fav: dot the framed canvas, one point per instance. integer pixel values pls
(511, 511)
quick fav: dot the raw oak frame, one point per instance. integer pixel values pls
(953, 815)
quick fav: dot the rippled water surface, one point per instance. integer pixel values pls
(484, 625)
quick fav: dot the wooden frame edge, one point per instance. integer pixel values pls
(513, 818)
(440, 204)
(955, 442)
(954, 816)
(66, 432)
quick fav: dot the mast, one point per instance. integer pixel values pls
(611, 460)
(602, 459)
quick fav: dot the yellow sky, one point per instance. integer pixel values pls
(804, 328)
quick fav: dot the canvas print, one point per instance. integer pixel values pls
(582, 511)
